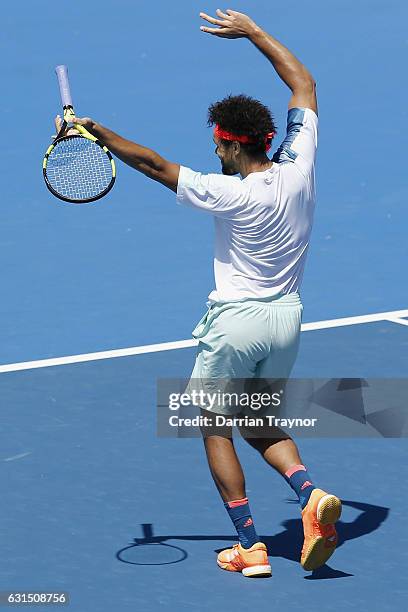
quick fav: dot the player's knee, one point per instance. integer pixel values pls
(213, 426)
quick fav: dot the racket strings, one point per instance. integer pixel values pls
(78, 169)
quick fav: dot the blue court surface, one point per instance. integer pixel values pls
(93, 502)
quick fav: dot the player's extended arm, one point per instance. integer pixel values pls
(233, 24)
(141, 158)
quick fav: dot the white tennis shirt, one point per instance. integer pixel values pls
(262, 222)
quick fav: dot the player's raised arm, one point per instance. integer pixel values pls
(297, 77)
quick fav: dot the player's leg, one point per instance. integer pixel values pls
(249, 556)
(229, 479)
(282, 454)
(224, 465)
(320, 510)
(222, 355)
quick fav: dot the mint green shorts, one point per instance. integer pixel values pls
(247, 339)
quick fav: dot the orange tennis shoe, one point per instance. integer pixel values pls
(319, 515)
(252, 562)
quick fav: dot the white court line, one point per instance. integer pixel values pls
(169, 346)
(379, 316)
(20, 456)
(397, 320)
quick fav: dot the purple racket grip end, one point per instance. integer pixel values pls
(62, 74)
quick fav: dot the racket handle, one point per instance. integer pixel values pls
(147, 531)
(62, 74)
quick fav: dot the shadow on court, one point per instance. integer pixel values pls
(155, 550)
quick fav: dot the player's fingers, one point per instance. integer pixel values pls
(221, 14)
(215, 31)
(212, 19)
(86, 121)
(58, 123)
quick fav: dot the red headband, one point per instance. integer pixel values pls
(244, 139)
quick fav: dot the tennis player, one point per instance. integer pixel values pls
(263, 219)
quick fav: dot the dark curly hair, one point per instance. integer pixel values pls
(243, 115)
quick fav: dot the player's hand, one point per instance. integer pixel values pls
(231, 24)
(87, 122)
(69, 131)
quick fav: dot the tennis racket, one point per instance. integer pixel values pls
(77, 167)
